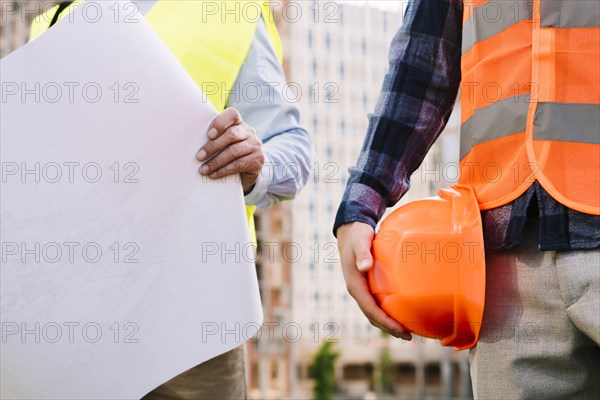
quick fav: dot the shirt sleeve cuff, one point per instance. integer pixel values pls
(261, 187)
(343, 219)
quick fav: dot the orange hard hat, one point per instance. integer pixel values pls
(429, 271)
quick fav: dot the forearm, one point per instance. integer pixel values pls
(417, 98)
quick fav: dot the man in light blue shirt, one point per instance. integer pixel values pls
(286, 146)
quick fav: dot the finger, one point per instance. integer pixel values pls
(233, 134)
(355, 244)
(242, 165)
(362, 252)
(227, 118)
(376, 315)
(227, 156)
(360, 239)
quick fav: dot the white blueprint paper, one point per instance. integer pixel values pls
(121, 266)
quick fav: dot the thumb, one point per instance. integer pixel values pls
(364, 259)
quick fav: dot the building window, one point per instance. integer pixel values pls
(314, 67)
(363, 45)
(329, 205)
(327, 41)
(310, 39)
(342, 125)
(330, 95)
(405, 373)
(433, 374)
(385, 25)
(342, 70)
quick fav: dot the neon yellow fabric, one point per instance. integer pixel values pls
(210, 39)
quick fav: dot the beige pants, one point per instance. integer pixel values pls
(541, 327)
(222, 378)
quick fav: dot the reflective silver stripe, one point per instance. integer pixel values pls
(497, 120)
(570, 13)
(493, 17)
(567, 122)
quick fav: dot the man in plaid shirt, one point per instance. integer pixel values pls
(541, 331)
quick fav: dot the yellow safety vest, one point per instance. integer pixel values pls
(211, 40)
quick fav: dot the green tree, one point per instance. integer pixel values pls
(321, 370)
(386, 365)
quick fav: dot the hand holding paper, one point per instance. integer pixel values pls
(232, 148)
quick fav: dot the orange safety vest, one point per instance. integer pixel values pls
(531, 100)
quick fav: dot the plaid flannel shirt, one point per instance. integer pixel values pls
(415, 103)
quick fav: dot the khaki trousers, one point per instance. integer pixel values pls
(540, 336)
(223, 378)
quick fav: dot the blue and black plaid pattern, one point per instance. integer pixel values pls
(418, 95)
